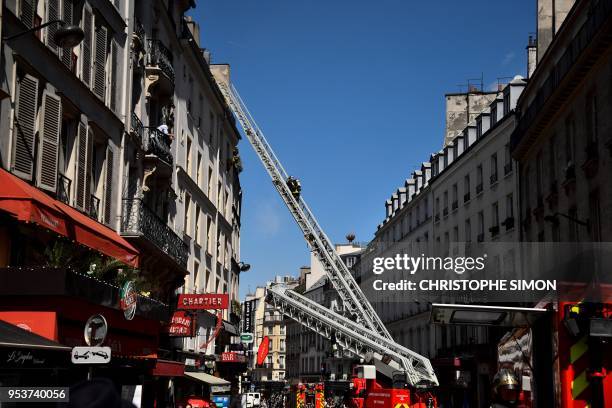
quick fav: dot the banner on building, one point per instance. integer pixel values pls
(262, 351)
(206, 301)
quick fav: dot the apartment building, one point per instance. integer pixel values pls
(465, 193)
(268, 322)
(126, 140)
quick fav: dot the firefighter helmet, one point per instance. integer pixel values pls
(506, 386)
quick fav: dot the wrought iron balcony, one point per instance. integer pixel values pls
(159, 56)
(139, 221)
(158, 143)
(63, 188)
(137, 129)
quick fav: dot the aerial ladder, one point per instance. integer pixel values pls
(361, 332)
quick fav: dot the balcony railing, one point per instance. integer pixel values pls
(493, 178)
(478, 188)
(139, 220)
(455, 205)
(63, 188)
(158, 143)
(160, 56)
(507, 168)
(94, 207)
(466, 197)
(137, 128)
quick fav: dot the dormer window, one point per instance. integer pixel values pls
(507, 101)
(479, 128)
(493, 113)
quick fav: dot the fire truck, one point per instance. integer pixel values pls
(395, 376)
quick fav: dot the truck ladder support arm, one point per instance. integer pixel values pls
(352, 336)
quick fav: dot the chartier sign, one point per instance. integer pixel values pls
(205, 301)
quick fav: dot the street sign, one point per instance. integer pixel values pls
(95, 331)
(246, 337)
(91, 355)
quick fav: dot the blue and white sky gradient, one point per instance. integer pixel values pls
(350, 94)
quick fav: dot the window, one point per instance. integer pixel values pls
(481, 226)
(445, 211)
(591, 118)
(479, 179)
(196, 233)
(209, 240)
(211, 127)
(569, 140)
(509, 206)
(594, 217)
(437, 208)
(282, 346)
(494, 168)
(572, 226)
(199, 170)
(495, 214)
(187, 220)
(196, 269)
(507, 159)
(468, 230)
(188, 157)
(552, 162)
(210, 182)
(493, 113)
(456, 234)
(455, 196)
(539, 176)
(507, 101)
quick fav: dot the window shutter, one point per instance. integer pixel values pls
(88, 168)
(53, 10)
(99, 85)
(81, 164)
(108, 189)
(28, 11)
(113, 81)
(67, 14)
(86, 45)
(50, 127)
(25, 126)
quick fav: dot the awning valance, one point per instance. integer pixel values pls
(207, 378)
(29, 204)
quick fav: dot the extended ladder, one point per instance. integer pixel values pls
(343, 282)
(387, 354)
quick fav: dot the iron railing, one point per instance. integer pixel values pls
(137, 128)
(158, 143)
(139, 220)
(139, 31)
(160, 56)
(63, 188)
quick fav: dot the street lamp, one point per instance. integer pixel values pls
(244, 266)
(554, 219)
(66, 36)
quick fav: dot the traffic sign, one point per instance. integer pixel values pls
(91, 355)
(246, 337)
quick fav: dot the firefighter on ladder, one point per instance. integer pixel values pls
(294, 186)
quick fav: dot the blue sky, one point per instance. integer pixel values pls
(350, 94)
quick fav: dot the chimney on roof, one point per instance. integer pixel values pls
(473, 88)
(532, 55)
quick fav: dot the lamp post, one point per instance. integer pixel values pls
(66, 36)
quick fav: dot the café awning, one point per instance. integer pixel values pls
(29, 204)
(206, 378)
(16, 337)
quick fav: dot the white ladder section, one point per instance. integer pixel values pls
(353, 299)
(389, 356)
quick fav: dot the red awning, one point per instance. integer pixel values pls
(168, 368)
(30, 204)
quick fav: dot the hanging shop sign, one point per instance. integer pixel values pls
(128, 300)
(205, 301)
(232, 357)
(180, 325)
(247, 316)
(96, 329)
(262, 351)
(246, 337)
